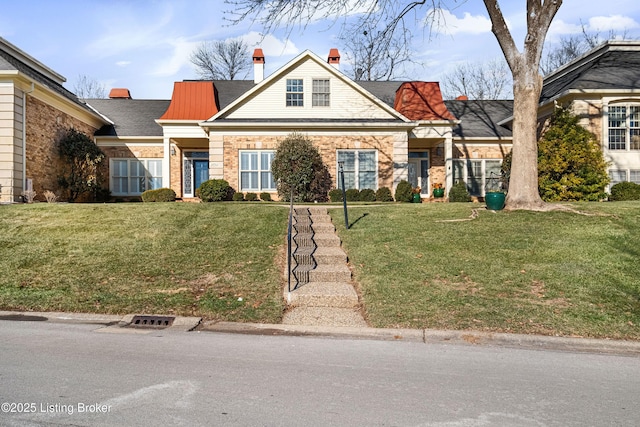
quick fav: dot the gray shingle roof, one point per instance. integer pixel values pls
(611, 66)
(132, 117)
(8, 62)
(480, 118)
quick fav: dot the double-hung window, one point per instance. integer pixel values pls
(475, 172)
(135, 176)
(255, 170)
(321, 93)
(295, 93)
(624, 127)
(360, 169)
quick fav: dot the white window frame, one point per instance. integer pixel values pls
(264, 182)
(623, 127)
(623, 175)
(465, 173)
(294, 93)
(356, 172)
(321, 93)
(151, 180)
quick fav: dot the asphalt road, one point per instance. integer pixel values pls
(56, 374)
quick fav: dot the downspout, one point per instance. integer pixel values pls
(24, 136)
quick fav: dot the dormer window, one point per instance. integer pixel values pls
(295, 93)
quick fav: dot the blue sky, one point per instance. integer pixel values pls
(144, 45)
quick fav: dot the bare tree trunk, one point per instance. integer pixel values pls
(523, 181)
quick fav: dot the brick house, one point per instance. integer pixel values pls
(382, 132)
(34, 109)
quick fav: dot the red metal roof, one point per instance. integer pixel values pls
(191, 101)
(421, 101)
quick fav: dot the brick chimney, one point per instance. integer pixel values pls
(120, 93)
(334, 58)
(462, 98)
(258, 65)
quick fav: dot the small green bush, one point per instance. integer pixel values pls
(335, 195)
(251, 197)
(459, 193)
(265, 197)
(215, 190)
(625, 191)
(384, 195)
(404, 192)
(159, 195)
(238, 197)
(367, 195)
(353, 195)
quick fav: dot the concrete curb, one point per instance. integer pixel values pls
(429, 336)
(110, 321)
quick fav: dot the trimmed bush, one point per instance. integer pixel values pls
(251, 197)
(335, 195)
(367, 195)
(215, 190)
(625, 191)
(298, 167)
(238, 197)
(159, 195)
(384, 195)
(459, 193)
(353, 195)
(265, 197)
(404, 192)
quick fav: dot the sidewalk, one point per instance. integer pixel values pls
(426, 336)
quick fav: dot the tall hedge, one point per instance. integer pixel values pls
(81, 159)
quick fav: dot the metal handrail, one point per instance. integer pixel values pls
(289, 239)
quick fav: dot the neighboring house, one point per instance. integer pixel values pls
(34, 109)
(382, 132)
(603, 89)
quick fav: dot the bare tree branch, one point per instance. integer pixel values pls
(87, 87)
(224, 60)
(481, 80)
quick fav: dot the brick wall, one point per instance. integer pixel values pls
(327, 146)
(45, 125)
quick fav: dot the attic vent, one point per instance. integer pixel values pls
(152, 322)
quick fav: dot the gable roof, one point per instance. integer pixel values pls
(306, 55)
(14, 59)
(191, 100)
(480, 118)
(614, 65)
(421, 101)
(130, 117)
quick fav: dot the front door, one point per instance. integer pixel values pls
(195, 171)
(200, 172)
(419, 174)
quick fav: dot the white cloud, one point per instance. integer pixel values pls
(612, 23)
(179, 58)
(271, 45)
(445, 22)
(123, 63)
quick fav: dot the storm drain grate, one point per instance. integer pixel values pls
(153, 322)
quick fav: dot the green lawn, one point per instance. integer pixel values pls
(554, 273)
(172, 258)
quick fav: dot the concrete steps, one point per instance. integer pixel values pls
(324, 293)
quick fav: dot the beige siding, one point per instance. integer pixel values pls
(11, 163)
(346, 102)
